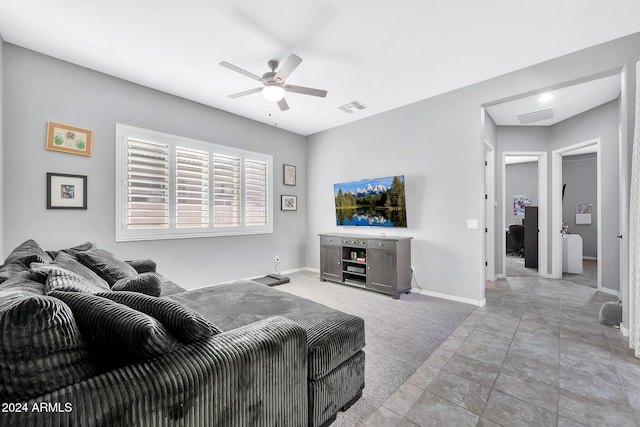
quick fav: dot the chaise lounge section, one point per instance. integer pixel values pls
(237, 354)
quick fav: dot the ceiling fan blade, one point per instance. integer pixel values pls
(246, 92)
(305, 90)
(283, 105)
(241, 71)
(287, 68)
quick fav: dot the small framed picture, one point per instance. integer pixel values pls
(289, 203)
(69, 139)
(289, 174)
(66, 191)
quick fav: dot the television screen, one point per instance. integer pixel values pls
(376, 202)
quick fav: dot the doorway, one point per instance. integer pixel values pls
(571, 241)
(489, 207)
(512, 200)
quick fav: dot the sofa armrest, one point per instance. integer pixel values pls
(142, 265)
(254, 375)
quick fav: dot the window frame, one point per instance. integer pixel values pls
(123, 233)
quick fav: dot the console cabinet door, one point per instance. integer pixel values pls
(381, 270)
(331, 262)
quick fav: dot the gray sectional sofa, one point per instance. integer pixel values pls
(88, 340)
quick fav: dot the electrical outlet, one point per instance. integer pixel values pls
(277, 258)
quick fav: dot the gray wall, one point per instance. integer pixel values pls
(579, 173)
(41, 89)
(437, 144)
(520, 179)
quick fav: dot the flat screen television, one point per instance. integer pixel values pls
(378, 202)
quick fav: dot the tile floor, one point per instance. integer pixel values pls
(535, 355)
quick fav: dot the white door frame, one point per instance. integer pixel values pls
(489, 217)
(556, 205)
(543, 209)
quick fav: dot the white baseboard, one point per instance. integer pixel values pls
(500, 276)
(624, 330)
(592, 258)
(478, 303)
(609, 291)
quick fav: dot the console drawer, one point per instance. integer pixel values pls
(330, 240)
(382, 244)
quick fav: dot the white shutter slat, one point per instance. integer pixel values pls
(256, 192)
(226, 191)
(192, 188)
(147, 185)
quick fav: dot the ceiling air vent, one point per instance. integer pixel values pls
(352, 107)
(535, 116)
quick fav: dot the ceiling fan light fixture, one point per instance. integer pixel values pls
(273, 93)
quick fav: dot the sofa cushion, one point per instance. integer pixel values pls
(145, 283)
(184, 323)
(115, 334)
(106, 265)
(23, 281)
(64, 280)
(41, 349)
(332, 336)
(28, 252)
(7, 271)
(70, 263)
(143, 265)
(73, 251)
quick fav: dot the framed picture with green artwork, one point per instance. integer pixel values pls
(69, 139)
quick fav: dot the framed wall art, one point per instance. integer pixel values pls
(289, 174)
(66, 191)
(69, 139)
(289, 203)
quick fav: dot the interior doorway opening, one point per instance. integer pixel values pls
(524, 218)
(573, 257)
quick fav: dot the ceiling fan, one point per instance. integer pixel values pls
(274, 81)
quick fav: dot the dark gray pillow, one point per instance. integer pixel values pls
(70, 263)
(7, 271)
(145, 283)
(79, 248)
(184, 323)
(115, 334)
(64, 280)
(106, 265)
(41, 349)
(28, 252)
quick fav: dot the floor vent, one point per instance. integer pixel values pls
(352, 107)
(535, 116)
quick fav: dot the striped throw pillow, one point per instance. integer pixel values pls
(184, 323)
(115, 334)
(145, 283)
(41, 349)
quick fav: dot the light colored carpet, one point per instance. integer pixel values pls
(400, 334)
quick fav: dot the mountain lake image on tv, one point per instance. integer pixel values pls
(376, 202)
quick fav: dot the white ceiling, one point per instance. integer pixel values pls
(382, 54)
(565, 102)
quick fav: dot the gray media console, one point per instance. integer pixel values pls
(381, 264)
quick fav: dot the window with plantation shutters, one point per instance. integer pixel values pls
(147, 185)
(255, 193)
(173, 187)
